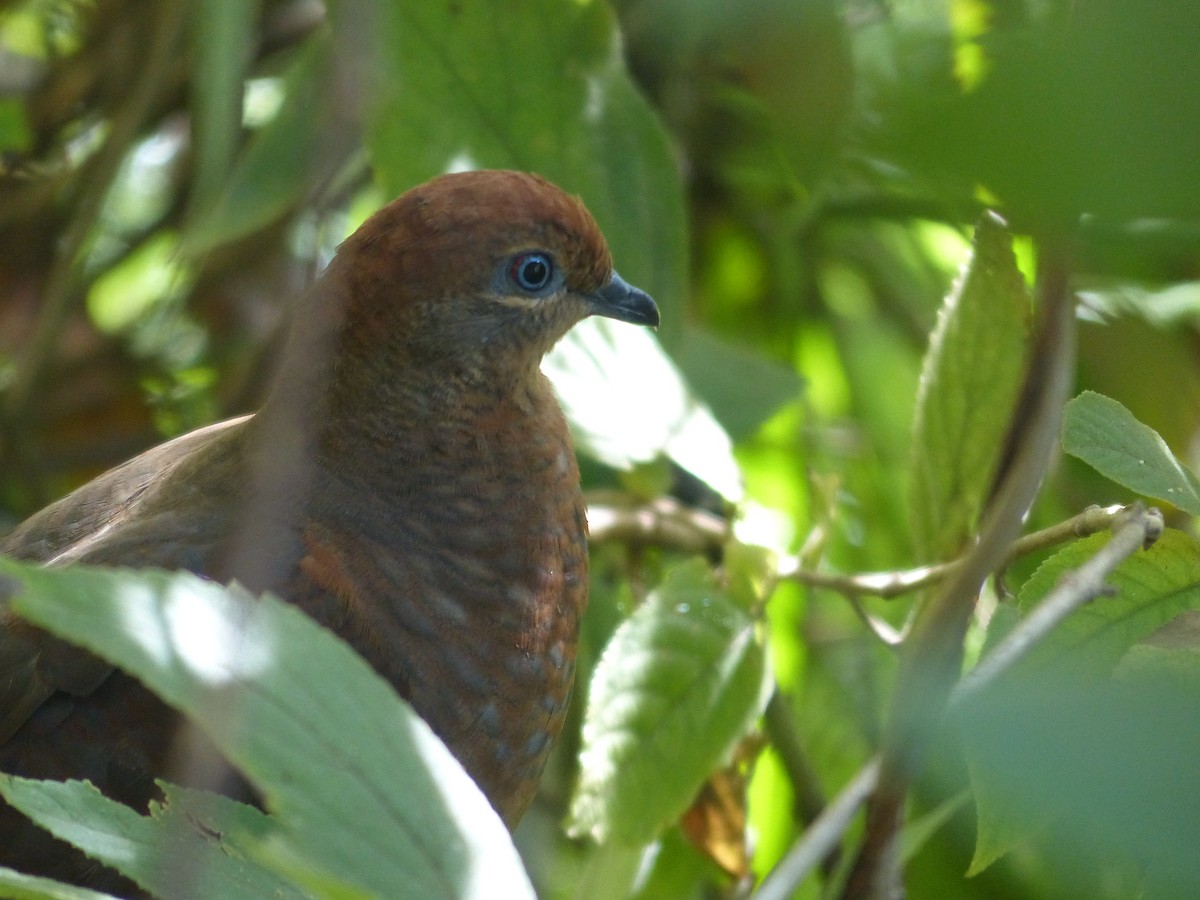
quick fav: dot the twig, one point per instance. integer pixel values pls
(1141, 528)
(616, 517)
(887, 585)
(822, 837)
(882, 629)
(1135, 528)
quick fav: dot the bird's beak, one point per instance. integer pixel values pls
(621, 300)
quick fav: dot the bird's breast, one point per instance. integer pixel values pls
(464, 586)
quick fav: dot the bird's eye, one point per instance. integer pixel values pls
(531, 271)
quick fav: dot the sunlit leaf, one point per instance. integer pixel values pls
(969, 386)
(1106, 436)
(126, 293)
(18, 886)
(205, 834)
(359, 784)
(628, 404)
(679, 684)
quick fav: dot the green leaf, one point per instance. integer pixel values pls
(1106, 436)
(271, 173)
(678, 686)
(721, 373)
(19, 886)
(1175, 664)
(536, 85)
(1149, 590)
(15, 134)
(149, 278)
(223, 37)
(628, 404)
(207, 833)
(358, 783)
(920, 830)
(1097, 766)
(969, 386)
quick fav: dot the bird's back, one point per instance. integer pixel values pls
(109, 518)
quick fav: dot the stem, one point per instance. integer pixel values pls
(891, 584)
(931, 657)
(618, 517)
(822, 837)
(1140, 528)
(1136, 528)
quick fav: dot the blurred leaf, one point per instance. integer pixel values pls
(271, 172)
(1150, 589)
(1102, 771)
(1174, 304)
(223, 37)
(1106, 436)
(207, 833)
(678, 686)
(528, 84)
(148, 277)
(628, 404)
(743, 388)
(358, 783)
(1180, 666)
(715, 823)
(18, 886)
(920, 830)
(1107, 85)
(14, 126)
(674, 868)
(969, 385)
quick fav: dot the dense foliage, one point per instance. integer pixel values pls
(929, 273)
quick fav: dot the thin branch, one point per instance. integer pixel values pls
(822, 837)
(932, 655)
(617, 517)
(1139, 529)
(892, 584)
(1134, 528)
(882, 629)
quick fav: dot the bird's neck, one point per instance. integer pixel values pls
(393, 427)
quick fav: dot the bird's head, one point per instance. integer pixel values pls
(479, 273)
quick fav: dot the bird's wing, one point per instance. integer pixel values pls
(66, 530)
(114, 519)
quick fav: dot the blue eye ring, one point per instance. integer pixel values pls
(531, 272)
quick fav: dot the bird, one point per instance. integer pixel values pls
(409, 483)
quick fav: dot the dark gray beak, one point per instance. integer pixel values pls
(622, 301)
